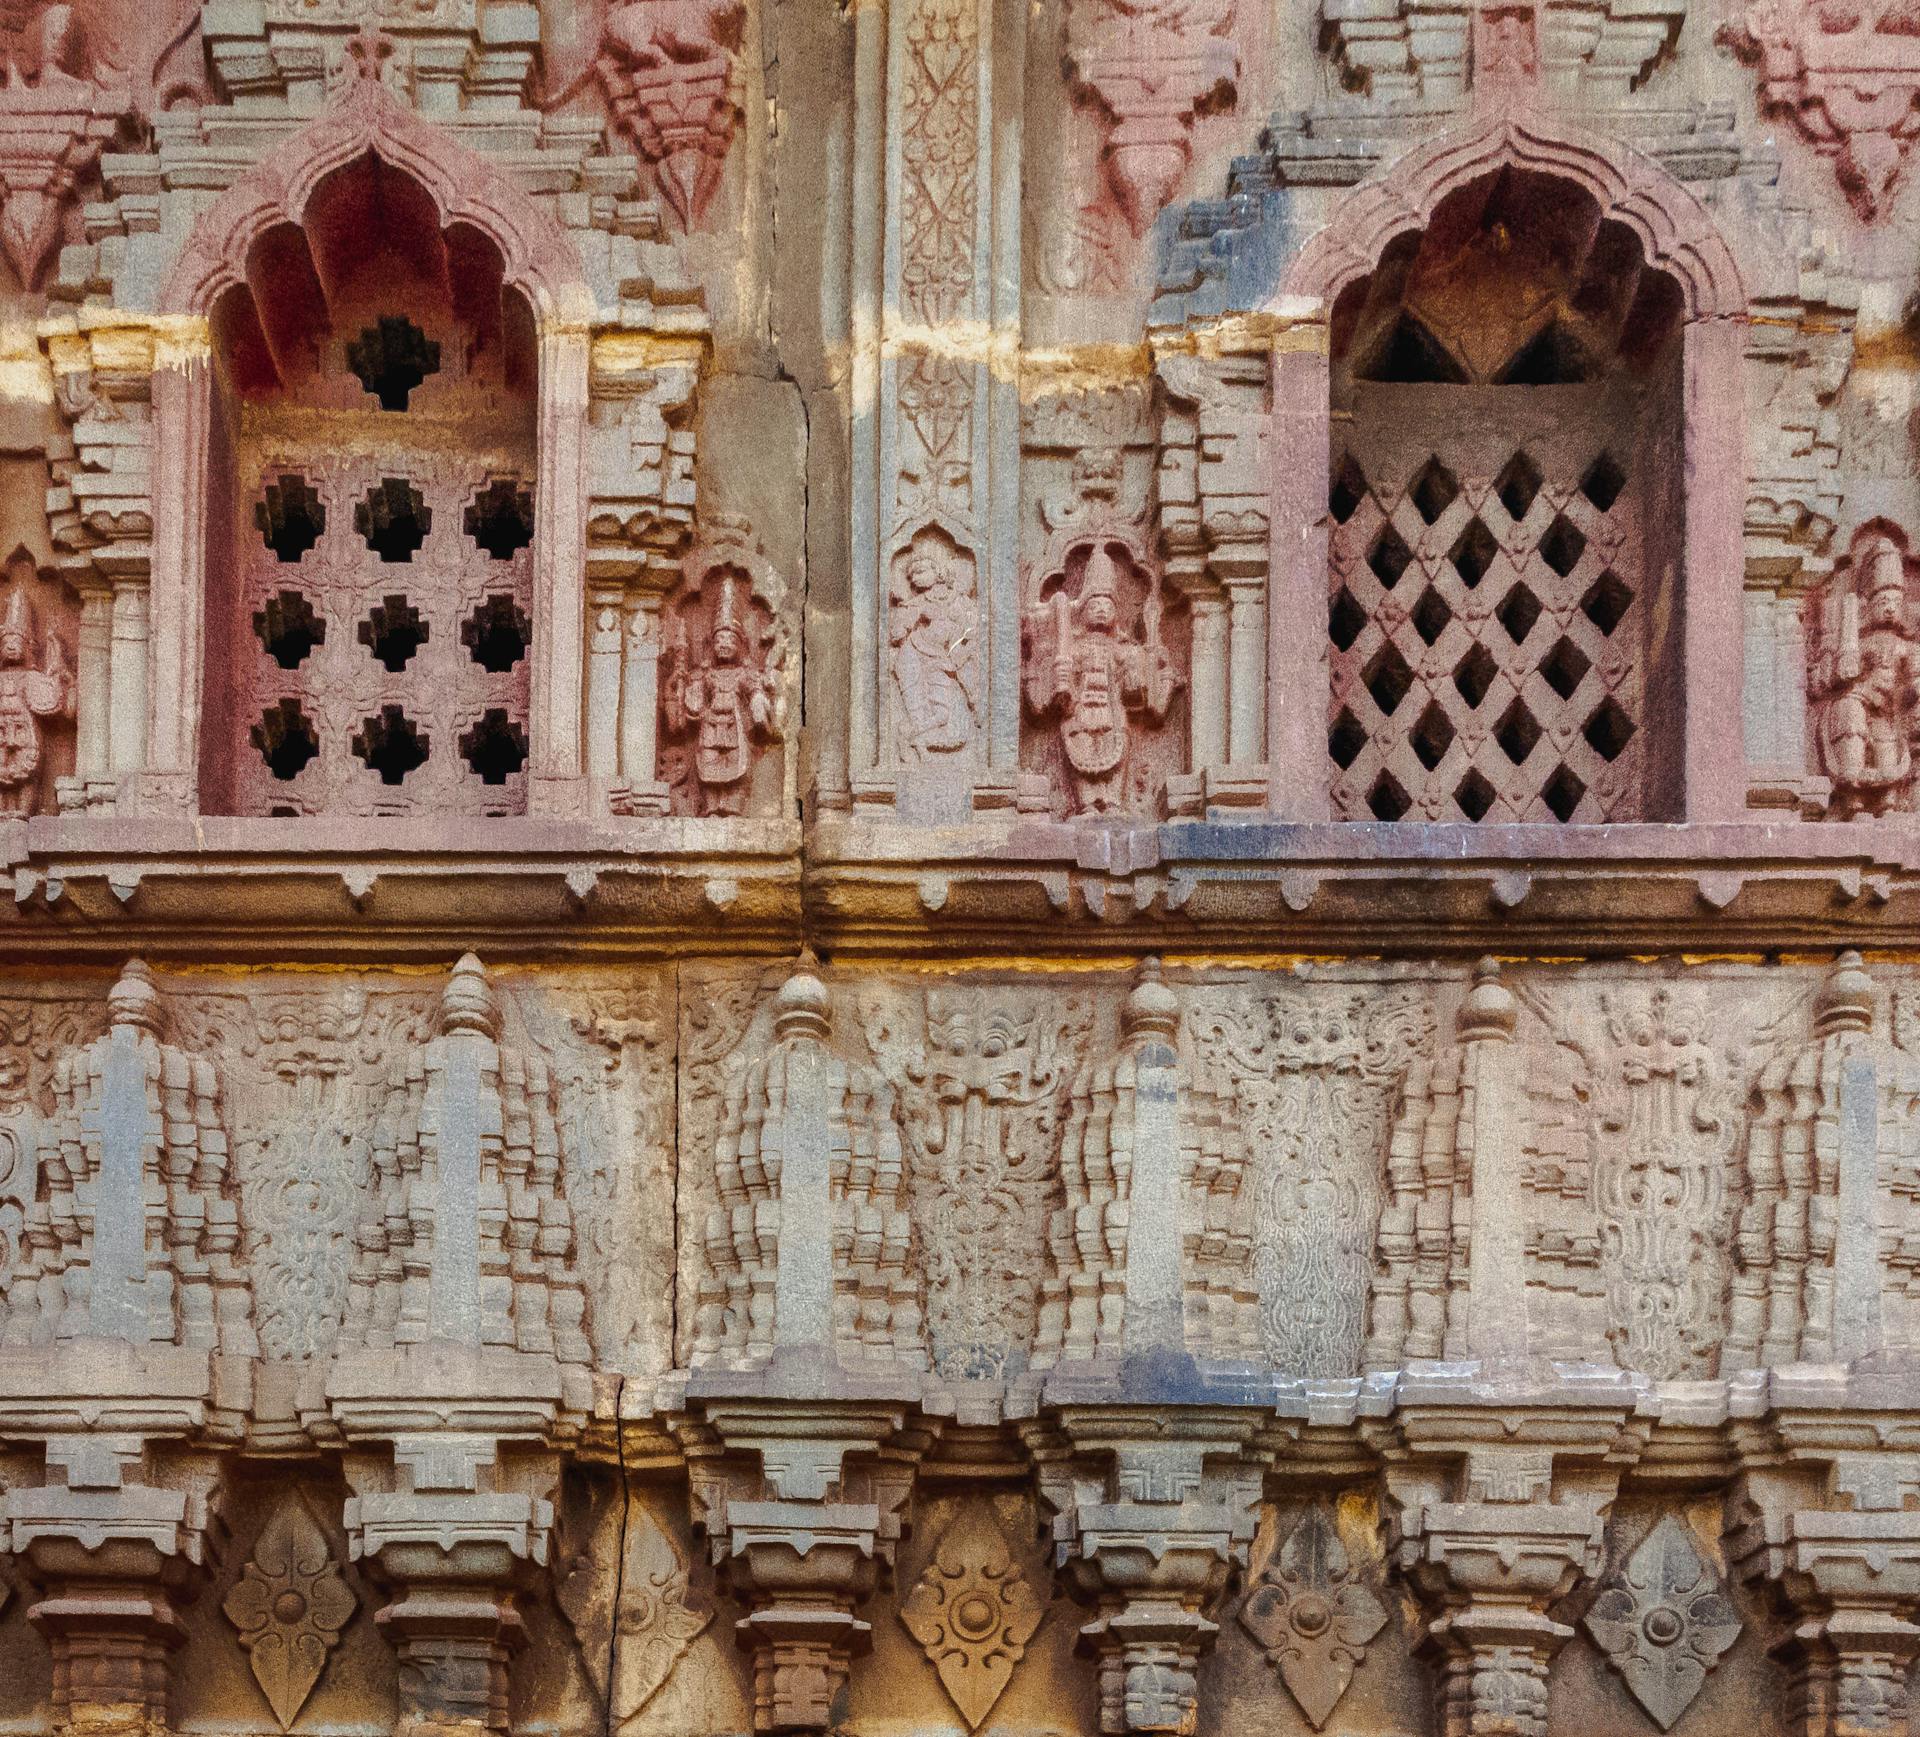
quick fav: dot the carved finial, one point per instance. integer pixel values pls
(1489, 1010)
(802, 1009)
(467, 1004)
(1151, 1009)
(1845, 1001)
(134, 1000)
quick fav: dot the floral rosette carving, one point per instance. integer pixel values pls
(289, 1607)
(973, 1612)
(1312, 1616)
(1663, 1621)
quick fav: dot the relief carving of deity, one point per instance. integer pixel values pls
(35, 685)
(933, 623)
(1103, 680)
(1864, 678)
(720, 695)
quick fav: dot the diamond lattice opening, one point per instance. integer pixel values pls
(1431, 615)
(1348, 491)
(392, 357)
(1387, 678)
(286, 739)
(393, 631)
(1518, 486)
(1473, 674)
(1432, 735)
(1565, 667)
(496, 634)
(291, 517)
(1517, 732)
(1389, 557)
(1604, 481)
(1518, 611)
(289, 629)
(1606, 601)
(1475, 796)
(1434, 490)
(394, 519)
(1562, 793)
(391, 744)
(500, 518)
(1473, 552)
(1608, 730)
(495, 748)
(1345, 618)
(1563, 545)
(1387, 800)
(1346, 739)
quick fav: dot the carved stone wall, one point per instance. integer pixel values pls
(1029, 867)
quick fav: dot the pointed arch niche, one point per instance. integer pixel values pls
(1509, 499)
(369, 493)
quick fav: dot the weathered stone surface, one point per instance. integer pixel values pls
(1038, 868)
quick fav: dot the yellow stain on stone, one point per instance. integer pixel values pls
(617, 354)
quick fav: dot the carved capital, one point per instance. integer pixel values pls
(1152, 1514)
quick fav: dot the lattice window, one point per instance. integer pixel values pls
(383, 669)
(1506, 504)
(370, 613)
(1487, 636)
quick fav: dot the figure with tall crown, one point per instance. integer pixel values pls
(1097, 682)
(31, 688)
(722, 694)
(1865, 680)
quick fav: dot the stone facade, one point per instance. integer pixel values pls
(1038, 867)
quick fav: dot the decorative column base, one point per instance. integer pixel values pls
(454, 1629)
(108, 1619)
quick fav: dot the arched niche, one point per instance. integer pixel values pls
(1557, 326)
(370, 264)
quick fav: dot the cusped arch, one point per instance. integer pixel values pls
(539, 257)
(1676, 232)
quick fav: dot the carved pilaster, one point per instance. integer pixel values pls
(1154, 1508)
(1822, 1521)
(1500, 1514)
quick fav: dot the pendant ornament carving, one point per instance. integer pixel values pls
(671, 73)
(973, 1612)
(1663, 1619)
(289, 1607)
(647, 1608)
(1849, 76)
(1151, 66)
(1313, 1616)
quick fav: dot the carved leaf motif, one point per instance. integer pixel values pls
(1312, 1616)
(654, 1622)
(1663, 1621)
(289, 1606)
(973, 1612)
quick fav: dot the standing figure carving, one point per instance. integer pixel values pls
(1099, 681)
(35, 684)
(719, 691)
(1862, 681)
(932, 628)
